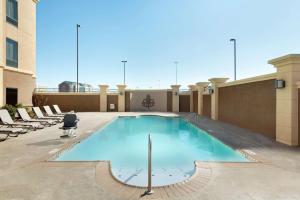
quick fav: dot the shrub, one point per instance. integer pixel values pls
(19, 105)
(12, 110)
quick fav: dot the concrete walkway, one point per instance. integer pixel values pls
(25, 173)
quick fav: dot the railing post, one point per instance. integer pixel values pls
(150, 191)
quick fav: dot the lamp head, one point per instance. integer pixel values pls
(232, 40)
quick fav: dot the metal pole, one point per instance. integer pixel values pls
(176, 63)
(234, 49)
(235, 60)
(124, 70)
(150, 191)
(77, 83)
(124, 73)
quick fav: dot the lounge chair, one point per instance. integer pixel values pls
(4, 138)
(13, 132)
(40, 115)
(7, 120)
(50, 113)
(58, 111)
(26, 118)
(70, 124)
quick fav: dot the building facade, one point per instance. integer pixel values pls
(68, 86)
(17, 51)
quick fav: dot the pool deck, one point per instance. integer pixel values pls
(26, 174)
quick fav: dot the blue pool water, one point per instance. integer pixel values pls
(176, 145)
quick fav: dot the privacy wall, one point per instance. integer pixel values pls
(68, 102)
(250, 105)
(169, 101)
(298, 117)
(207, 105)
(112, 99)
(148, 100)
(195, 101)
(184, 103)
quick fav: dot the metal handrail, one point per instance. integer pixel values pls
(149, 191)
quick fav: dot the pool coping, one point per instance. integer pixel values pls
(70, 144)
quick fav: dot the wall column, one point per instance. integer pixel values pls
(175, 98)
(103, 98)
(200, 89)
(288, 69)
(121, 98)
(1, 87)
(215, 96)
(192, 88)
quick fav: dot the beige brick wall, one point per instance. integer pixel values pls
(23, 77)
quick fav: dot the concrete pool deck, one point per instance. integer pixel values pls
(25, 173)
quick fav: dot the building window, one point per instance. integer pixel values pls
(11, 96)
(12, 12)
(11, 53)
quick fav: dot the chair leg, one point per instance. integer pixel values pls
(3, 139)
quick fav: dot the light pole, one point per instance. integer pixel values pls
(176, 64)
(124, 62)
(77, 83)
(234, 44)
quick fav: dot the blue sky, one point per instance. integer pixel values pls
(152, 34)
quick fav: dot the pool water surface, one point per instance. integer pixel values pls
(177, 144)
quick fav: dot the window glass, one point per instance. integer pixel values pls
(12, 12)
(11, 53)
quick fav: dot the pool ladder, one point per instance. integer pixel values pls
(149, 191)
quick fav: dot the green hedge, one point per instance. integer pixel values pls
(12, 110)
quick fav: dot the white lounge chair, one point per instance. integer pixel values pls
(50, 113)
(58, 111)
(7, 120)
(26, 118)
(40, 115)
(13, 132)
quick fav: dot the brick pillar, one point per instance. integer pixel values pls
(103, 98)
(1, 87)
(175, 98)
(288, 69)
(121, 98)
(215, 96)
(200, 89)
(192, 88)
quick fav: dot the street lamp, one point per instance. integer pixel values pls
(176, 64)
(234, 44)
(124, 62)
(77, 83)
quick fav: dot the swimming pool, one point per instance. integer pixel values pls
(177, 144)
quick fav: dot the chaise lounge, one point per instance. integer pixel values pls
(26, 118)
(7, 120)
(40, 115)
(50, 113)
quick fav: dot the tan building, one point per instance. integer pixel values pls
(17, 51)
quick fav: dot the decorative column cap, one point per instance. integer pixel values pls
(192, 87)
(121, 87)
(175, 87)
(202, 84)
(217, 81)
(103, 87)
(285, 60)
(298, 84)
